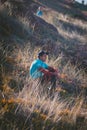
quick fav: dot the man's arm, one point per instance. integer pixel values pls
(50, 71)
(45, 71)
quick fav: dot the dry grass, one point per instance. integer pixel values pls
(35, 100)
(31, 98)
(23, 98)
(54, 18)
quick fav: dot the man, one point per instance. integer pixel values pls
(39, 12)
(39, 69)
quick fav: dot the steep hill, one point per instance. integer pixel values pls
(62, 31)
(62, 28)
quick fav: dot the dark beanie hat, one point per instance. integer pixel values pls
(41, 53)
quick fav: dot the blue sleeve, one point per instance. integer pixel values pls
(46, 66)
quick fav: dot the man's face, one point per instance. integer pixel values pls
(43, 57)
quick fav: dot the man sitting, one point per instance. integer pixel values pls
(39, 69)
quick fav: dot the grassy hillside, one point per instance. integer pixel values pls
(62, 30)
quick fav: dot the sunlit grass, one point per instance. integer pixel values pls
(62, 107)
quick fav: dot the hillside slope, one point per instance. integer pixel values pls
(59, 30)
(62, 30)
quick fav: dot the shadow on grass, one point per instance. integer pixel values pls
(70, 27)
(12, 28)
(19, 121)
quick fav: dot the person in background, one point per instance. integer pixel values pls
(39, 12)
(39, 69)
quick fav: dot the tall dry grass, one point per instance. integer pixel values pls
(53, 108)
(30, 99)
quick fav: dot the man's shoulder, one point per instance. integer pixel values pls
(36, 61)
